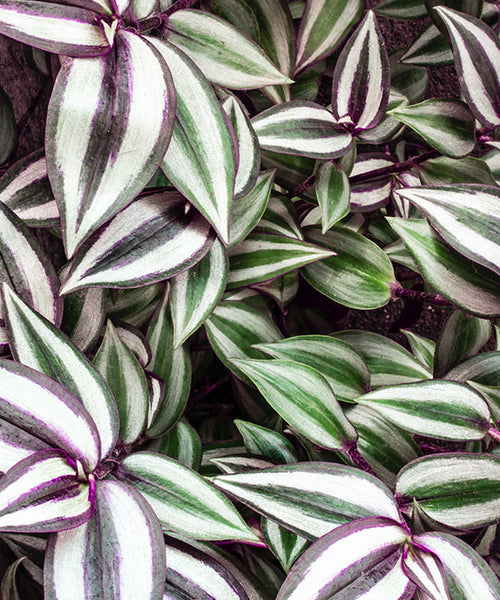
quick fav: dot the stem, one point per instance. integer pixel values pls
(494, 433)
(395, 168)
(358, 460)
(437, 299)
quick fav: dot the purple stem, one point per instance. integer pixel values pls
(359, 461)
(437, 299)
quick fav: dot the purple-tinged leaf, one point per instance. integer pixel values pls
(426, 571)
(361, 80)
(42, 493)
(367, 196)
(284, 544)
(98, 163)
(118, 554)
(16, 444)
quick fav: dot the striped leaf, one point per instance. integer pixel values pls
(200, 159)
(447, 125)
(16, 444)
(388, 362)
(182, 443)
(361, 80)
(280, 217)
(125, 377)
(491, 394)
(401, 9)
(248, 146)
(264, 256)
(322, 28)
(98, 172)
(333, 194)
(41, 493)
(388, 128)
(266, 442)
(154, 238)
(426, 571)
(342, 367)
(239, 13)
(45, 409)
(467, 284)
(183, 501)
(282, 289)
(196, 292)
(429, 48)
(173, 365)
(156, 396)
(422, 348)
(8, 126)
(284, 544)
(8, 586)
(301, 128)
(32, 548)
(466, 216)
(356, 561)
(457, 489)
(225, 55)
(311, 498)
(118, 554)
(303, 398)
(26, 190)
(440, 409)
(36, 343)
(443, 170)
(483, 368)
(240, 464)
(134, 306)
(135, 341)
(54, 27)
(140, 9)
(360, 276)
(468, 575)
(476, 51)
(369, 195)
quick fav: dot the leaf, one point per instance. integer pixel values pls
(301, 128)
(119, 553)
(429, 48)
(182, 443)
(135, 341)
(358, 559)
(38, 344)
(361, 79)
(225, 55)
(468, 575)
(99, 171)
(482, 368)
(282, 289)
(45, 409)
(333, 193)
(323, 26)
(196, 292)
(388, 362)
(467, 284)
(388, 128)
(67, 30)
(341, 366)
(239, 14)
(264, 256)
(426, 571)
(459, 490)
(173, 365)
(422, 348)
(125, 376)
(466, 216)
(402, 9)
(266, 442)
(16, 444)
(200, 161)
(134, 306)
(447, 125)
(141, 9)
(443, 170)
(182, 499)
(31, 547)
(476, 51)
(360, 276)
(311, 498)
(41, 493)
(376, 192)
(8, 586)
(8, 126)
(151, 240)
(285, 545)
(280, 217)
(440, 409)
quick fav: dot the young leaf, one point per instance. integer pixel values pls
(182, 443)
(224, 54)
(93, 175)
(134, 306)
(303, 398)
(333, 194)
(301, 128)
(152, 239)
(266, 442)
(119, 553)
(311, 498)
(284, 544)
(361, 80)
(36, 343)
(357, 559)
(183, 501)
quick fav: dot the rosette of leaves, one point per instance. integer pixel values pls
(205, 165)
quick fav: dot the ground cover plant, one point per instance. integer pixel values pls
(175, 421)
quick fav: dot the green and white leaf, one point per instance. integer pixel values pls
(134, 306)
(284, 544)
(16, 444)
(401, 9)
(333, 194)
(443, 170)
(429, 48)
(239, 13)
(182, 443)
(135, 341)
(266, 442)
(280, 217)
(422, 348)
(426, 571)
(483, 368)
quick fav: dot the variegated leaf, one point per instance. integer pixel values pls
(16, 444)
(182, 443)
(8, 585)
(156, 396)
(284, 544)
(225, 55)
(401, 9)
(460, 490)
(361, 79)
(134, 306)
(388, 128)
(282, 289)
(426, 571)
(266, 442)
(239, 13)
(466, 216)
(483, 368)
(183, 501)
(333, 193)
(154, 238)
(45, 409)
(311, 498)
(140, 9)
(367, 196)
(476, 51)
(68, 30)
(200, 161)
(42, 493)
(38, 344)
(422, 348)
(358, 560)
(301, 128)
(443, 170)
(195, 292)
(135, 341)
(98, 163)
(8, 126)
(118, 554)
(429, 48)
(280, 217)
(323, 26)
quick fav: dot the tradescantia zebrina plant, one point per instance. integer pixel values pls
(176, 421)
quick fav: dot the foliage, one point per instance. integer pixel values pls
(173, 422)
